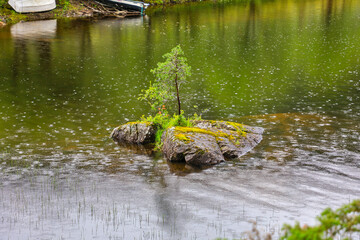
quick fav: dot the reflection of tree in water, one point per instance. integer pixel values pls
(249, 32)
(167, 187)
(334, 11)
(85, 43)
(20, 61)
(247, 37)
(220, 23)
(167, 194)
(165, 207)
(79, 66)
(39, 63)
(45, 57)
(328, 12)
(148, 41)
(302, 13)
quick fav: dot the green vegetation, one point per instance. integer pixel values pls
(163, 121)
(333, 224)
(338, 224)
(169, 75)
(63, 8)
(10, 15)
(2, 3)
(64, 4)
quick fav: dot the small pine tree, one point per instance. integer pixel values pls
(169, 75)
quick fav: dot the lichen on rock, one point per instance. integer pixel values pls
(209, 142)
(200, 149)
(206, 143)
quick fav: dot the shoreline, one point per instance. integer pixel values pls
(69, 9)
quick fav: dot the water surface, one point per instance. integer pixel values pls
(291, 67)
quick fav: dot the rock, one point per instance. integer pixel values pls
(193, 148)
(206, 143)
(238, 138)
(209, 142)
(135, 133)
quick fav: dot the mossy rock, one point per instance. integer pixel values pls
(194, 147)
(209, 142)
(206, 143)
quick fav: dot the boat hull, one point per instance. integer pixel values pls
(126, 5)
(30, 6)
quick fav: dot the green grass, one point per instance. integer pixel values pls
(163, 121)
(2, 3)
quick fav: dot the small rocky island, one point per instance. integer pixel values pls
(204, 143)
(184, 139)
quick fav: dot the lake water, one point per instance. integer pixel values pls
(291, 67)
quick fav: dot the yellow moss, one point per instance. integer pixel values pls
(194, 129)
(140, 122)
(183, 137)
(239, 128)
(216, 134)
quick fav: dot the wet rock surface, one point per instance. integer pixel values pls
(206, 143)
(193, 148)
(134, 133)
(209, 142)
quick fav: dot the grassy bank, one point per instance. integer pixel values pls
(64, 9)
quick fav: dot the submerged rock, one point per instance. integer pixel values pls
(206, 143)
(135, 133)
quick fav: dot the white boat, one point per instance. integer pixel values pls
(30, 6)
(126, 5)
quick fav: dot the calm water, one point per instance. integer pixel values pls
(291, 67)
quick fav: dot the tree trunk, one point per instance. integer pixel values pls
(177, 93)
(177, 86)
